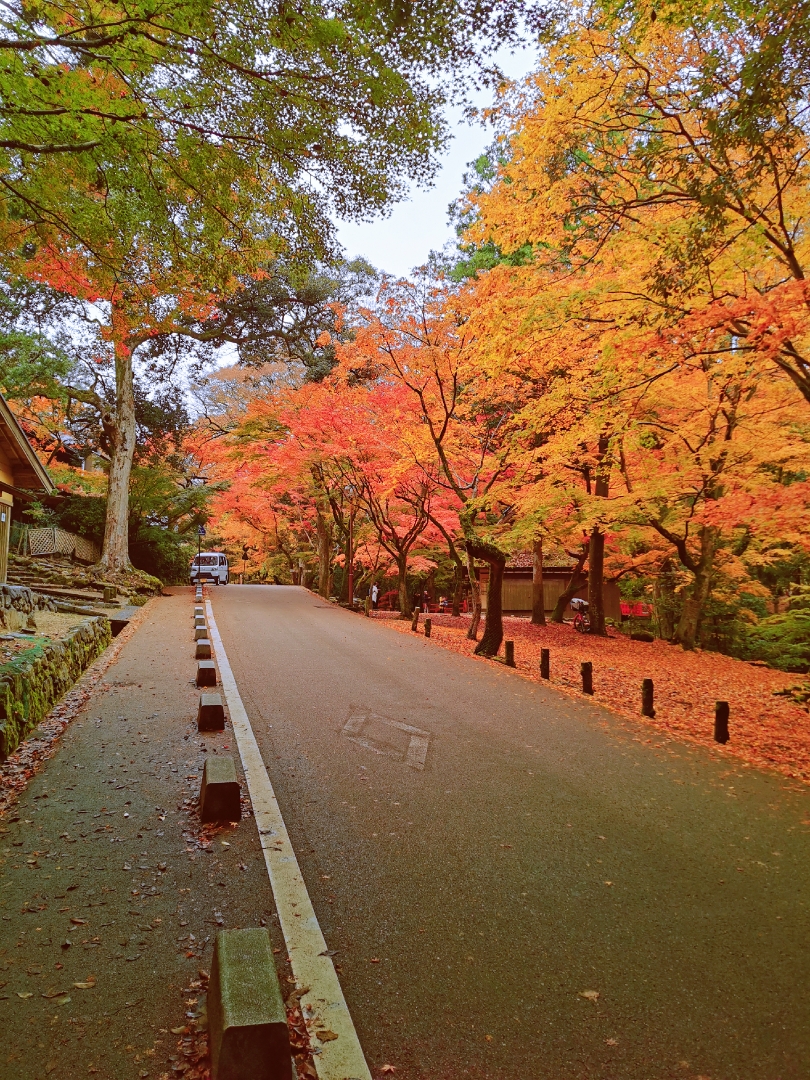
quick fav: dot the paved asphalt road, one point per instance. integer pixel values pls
(546, 849)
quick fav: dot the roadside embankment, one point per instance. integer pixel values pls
(36, 678)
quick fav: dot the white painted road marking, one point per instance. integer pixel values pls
(324, 1006)
(415, 755)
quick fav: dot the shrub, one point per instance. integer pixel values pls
(783, 641)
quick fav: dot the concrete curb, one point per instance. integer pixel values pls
(247, 1020)
(210, 713)
(220, 793)
(206, 673)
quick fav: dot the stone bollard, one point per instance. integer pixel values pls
(247, 1021)
(219, 791)
(199, 612)
(367, 606)
(210, 713)
(200, 633)
(415, 619)
(428, 627)
(721, 714)
(206, 673)
(647, 698)
(586, 671)
(110, 593)
(509, 653)
(203, 650)
(545, 664)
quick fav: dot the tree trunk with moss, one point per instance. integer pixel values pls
(493, 626)
(405, 606)
(538, 600)
(324, 532)
(575, 583)
(688, 629)
(119, 427)
(475, 600)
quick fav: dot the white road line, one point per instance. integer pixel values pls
(324, 1006)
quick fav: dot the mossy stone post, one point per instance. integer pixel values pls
(721, 714)
(545, 664)
(647, 693)
(247, 1021)
(210, 713)
(586, 671)
(415, 619)
(428, 627)
(509, 650)
(219, 791)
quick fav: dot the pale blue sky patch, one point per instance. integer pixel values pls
(420, 224)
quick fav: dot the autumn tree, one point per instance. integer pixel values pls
(417, 338)
(640, 133)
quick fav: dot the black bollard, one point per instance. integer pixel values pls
(647, 698)
(415, 619)
(721, 711)
(509, 649)
(586, 670)
(428, 627)
(545, 664)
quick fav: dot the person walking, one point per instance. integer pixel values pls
(375, 592)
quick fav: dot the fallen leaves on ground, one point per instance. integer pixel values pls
(17, 770)
(767, 730)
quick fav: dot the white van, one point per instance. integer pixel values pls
(210, 566)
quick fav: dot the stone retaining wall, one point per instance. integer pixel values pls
(18, 602)
(32, 683)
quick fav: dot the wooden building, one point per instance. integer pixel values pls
(21, 473)
(557, 570)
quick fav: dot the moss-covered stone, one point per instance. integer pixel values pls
(32, 683)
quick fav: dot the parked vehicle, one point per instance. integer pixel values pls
(210, 566)
(582, 620)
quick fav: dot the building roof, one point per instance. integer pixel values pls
(28, 470)
(553, 559)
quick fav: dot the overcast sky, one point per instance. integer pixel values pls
(414, 228)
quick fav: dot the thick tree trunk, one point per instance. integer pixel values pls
(665, 603)
(596, 550)
(475, 597)
(458, 585)
(692, 611)
(596, 582)
(538, 603)
(405, 606)
(121, 432)
(575, 583)
(493, 626)
(324, 552)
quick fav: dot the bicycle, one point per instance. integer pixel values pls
(582, 620)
